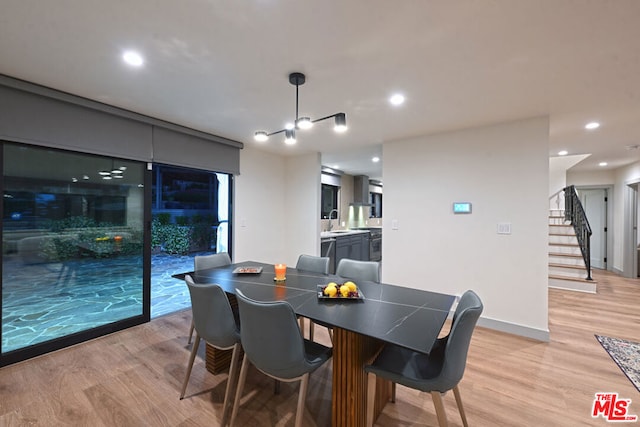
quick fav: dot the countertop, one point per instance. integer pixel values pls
(338, 233)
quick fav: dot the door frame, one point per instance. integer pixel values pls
(609, 212)
(630, 236)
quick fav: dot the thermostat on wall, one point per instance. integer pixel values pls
(461, 208)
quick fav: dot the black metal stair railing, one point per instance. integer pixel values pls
(574, 212)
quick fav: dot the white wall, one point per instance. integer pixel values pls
(558, 167)
(277, 206)
(591, 178)
(302, 207)
(504, 171)
(259, 206)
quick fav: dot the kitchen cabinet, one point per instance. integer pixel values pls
(354, 246)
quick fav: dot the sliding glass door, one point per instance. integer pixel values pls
(191, 211)
(72, 255)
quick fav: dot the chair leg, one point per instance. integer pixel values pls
(311, 330)
(233, 370)
(330, 334)
(437, 402)
(302, 396)
(194, 351)
(241, 380)
(371, 397)
(191, 328)
(456, 393)
(393, 392)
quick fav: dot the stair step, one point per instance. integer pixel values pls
(573, 284)
(571, 266)
(572, 279)
(573, 245)
(565, 255)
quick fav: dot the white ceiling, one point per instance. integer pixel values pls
(222, 66)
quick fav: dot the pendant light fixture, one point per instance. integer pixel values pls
(302, 123)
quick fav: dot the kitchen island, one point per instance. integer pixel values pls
(339, 244)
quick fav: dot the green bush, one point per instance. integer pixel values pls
(59, 248)
(182, 220)
(177, 239)
(157, 233)
(163, 218)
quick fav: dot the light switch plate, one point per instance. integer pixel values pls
(394, 224)
(504, 228)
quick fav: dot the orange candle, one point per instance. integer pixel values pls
(281, 271)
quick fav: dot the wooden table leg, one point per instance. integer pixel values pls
(351, 352)
(216, 360)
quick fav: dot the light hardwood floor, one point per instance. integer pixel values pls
(133, 377)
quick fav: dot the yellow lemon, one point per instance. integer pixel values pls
(344, 290)
(352, 286)
(331, 291)
(332, 284)
(329, 286)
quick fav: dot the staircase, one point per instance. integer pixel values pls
(566, 266)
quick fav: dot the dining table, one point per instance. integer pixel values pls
(382, 313)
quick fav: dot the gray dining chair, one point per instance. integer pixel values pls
(314, 264)
(437, 372)
(273, 343)
(217, 326)
(359, 270)
(204, 262)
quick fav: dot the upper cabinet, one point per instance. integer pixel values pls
(375, 198)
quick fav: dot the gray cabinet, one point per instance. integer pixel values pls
(354, 246)
(343, 248)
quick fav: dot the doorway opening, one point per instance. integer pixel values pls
(190, 216)
(595, 204)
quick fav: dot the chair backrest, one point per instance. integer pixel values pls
(359, 270)
(212, 314)
(455, 354)
(271, 337)
(203, 262)
(315, 264)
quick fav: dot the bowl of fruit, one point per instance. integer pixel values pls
(340, 291)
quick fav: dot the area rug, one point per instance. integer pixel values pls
(626, 354)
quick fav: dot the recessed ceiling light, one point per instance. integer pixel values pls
(397, 99)
(592, 125)
(602, 164)
(133, 58)
(375, 159)
(563, 153)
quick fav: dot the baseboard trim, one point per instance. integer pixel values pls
(511, 328)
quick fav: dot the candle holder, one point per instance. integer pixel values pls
(281, 272)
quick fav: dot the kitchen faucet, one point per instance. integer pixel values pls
(337, 216)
